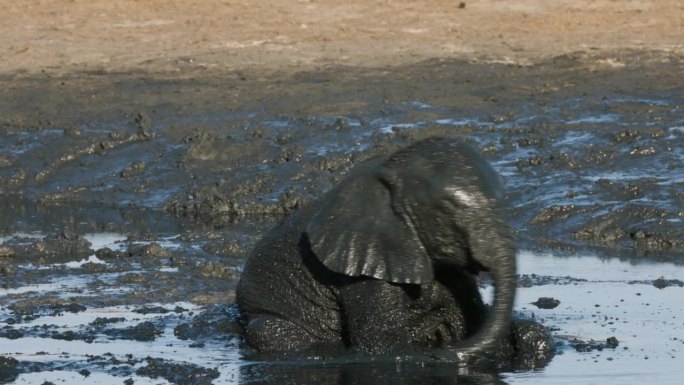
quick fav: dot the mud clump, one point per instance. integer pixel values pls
(64, 246)
(662, 283)
(530, 280)
(224, 248)
(102, 321)
(534, 345)
(145, 331)
(156, 310)
(71, 307)
(212, 204)
(546, 303)
(30, 310)
(216, 270)
(11, 333)
(9, 369)
(107, 254)
(642, 226)
(612, 342)
(134, 169)
(150, 250)
(216, 321)
(556, 213)
(589, 346)
(6, 253)
(178, 373)
(70, 335)
(148, 254)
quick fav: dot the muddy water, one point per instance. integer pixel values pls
(129, 207)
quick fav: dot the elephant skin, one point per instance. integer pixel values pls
(387, 263)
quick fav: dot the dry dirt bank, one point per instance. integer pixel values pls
(159, 36)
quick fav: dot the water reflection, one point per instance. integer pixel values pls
(371, 374)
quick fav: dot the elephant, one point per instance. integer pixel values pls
(387, 261)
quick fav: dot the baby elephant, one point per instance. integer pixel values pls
(386, 262)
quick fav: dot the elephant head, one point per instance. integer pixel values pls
(431, 204)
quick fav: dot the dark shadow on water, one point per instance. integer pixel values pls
(363, 373)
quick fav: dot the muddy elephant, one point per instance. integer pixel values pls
(386, 261)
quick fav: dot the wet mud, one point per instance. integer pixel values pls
(130, 201)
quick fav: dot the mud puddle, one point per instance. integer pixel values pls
(618, 322)
(118, 308)
(122, 236)
(608, 317)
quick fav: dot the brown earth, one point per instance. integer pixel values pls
(167, 36)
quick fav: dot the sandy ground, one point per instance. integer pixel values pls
(62, 36)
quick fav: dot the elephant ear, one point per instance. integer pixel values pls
(358, 232)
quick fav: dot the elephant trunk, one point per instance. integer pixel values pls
(497, 256)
